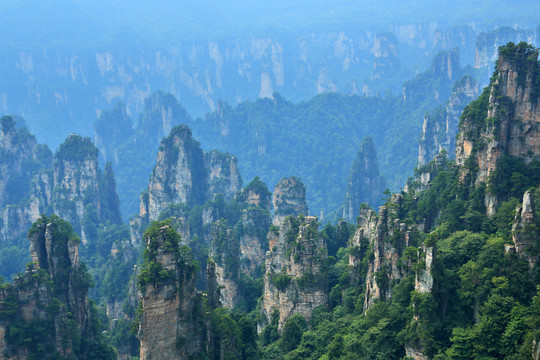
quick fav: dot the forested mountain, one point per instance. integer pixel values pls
(260, 226)
(57, 85)
(273, 138)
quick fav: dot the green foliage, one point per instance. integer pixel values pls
(512, 177)
(77, 148)
(161, 237)
(281, 281)
(292, 333)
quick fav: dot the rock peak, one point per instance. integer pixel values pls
(289, 199)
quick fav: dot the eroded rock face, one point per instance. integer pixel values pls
(388, 238)
(253, 243)
(525, 232)
(170, 326)
(78, 190)
(487, 43)
(179, 175)
(440, 127)
(415, 353)
(289, 198)
(225, 251)
(21, 158)
(365, 185)
(72, 187)
(184, 174)
(256, 221)
(423, 282)
(223, 174)
(507, 121)
(51, 298)
(295, 281)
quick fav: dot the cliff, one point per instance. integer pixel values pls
(296, 279)
(70, 184)
(440, 127)
(504, 121)
(526, 228)
(184, 174)
(289, 198)
(76, 189)
(171, 322)
(21, 159)
(387, 236)
(435, 84)
(225, 251)
(46, 311)
(365, 185)
(255, 223)
(223, 174)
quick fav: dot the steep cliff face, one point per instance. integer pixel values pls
(387, 237)
(71, 185)
(435, 84)
(526, 228)
(170, 324)
(132, 147)
(441, 126)
(289, 198)
(296, 280)
(504, 121)
(184, 174)
(179, 175)
(223, 174)
(77, 189)
(488, 42)
(385, 51)
(423, 282)
(365, 185)
(225, 251)
(255, 222)
(20, 159)
(46, 311)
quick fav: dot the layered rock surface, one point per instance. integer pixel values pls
(526, 230)
(388, 237)
(72, 186)
(295, 281)
(504, 121)
(441, 126)
(183, 174)
(170, 324)
(49, 303)
(365, 185)
(289, 198)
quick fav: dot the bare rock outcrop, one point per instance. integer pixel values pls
(171, 324)
(72, 187)
(295, 281)
(289, 198)
(49, 303)
(504, 121)
(364, 185)
(388, 238)
(184, 174)
(441, 126)
(526, 231)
